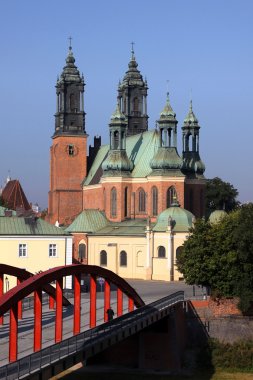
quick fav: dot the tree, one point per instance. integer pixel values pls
(221, 256)
(220, 195)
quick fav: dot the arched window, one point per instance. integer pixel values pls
(201, 200)
(125, 202)
(136, 104)
(82, 252)
(72, 102)
(113, 202)
(123, 259)
(171, 196)
(103, 258)
(178, 251)
(191, 200)
(142, 201)
(161, 252)
(140, 259)
(154, 200)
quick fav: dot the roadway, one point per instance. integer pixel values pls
(148, 290)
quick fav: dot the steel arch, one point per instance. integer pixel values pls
(39, 280)
(23, 274)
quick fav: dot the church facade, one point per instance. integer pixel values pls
(128, 184)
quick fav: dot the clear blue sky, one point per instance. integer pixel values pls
(198, 45)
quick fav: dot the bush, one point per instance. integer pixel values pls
(236, 356)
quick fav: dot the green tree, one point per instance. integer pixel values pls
(221, 256)
(220, 195)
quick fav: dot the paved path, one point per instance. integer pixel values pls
(148, 290)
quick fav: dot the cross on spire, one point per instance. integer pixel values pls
(70, 40)
(132, 51)
(167, 88)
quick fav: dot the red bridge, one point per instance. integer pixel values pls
(11, 301)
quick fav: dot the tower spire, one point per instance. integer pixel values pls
(132, 95)
(193, 164)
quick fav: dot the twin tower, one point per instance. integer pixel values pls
(73, 175)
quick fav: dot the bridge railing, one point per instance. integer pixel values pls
(77, 343)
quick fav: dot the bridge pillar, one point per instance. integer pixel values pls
(77, 303)
(37, 320)
(19, 302)
(58, 317)
(13, 334)
(93, 303)
(107, 299)
(1, 293)
(119, 302)
(130, 304)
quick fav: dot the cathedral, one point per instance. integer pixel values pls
(134, 190)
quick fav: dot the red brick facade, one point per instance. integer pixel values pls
(67, 170)
(189, 195)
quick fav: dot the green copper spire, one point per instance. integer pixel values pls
(167, 160)
(191, 118)
(192, 164)
(167, 113)
(117, 162)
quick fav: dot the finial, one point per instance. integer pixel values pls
(132, 51)
(70, 39)
(191, 105)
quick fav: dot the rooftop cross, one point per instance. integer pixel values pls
(70, 39)
(167, 81)
(132, 51)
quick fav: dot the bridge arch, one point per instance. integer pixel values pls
(36, 283)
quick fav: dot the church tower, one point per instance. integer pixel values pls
(132, 98)
(68, 164)
(193, 167)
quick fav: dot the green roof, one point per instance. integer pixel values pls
(3, 209)
(88, 221)
(27, 226)
(127, 227)
(180, 218)
(140, 150)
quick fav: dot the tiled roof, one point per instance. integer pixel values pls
(14, 197)
(28, 226)
(140, 150)
(88, 221)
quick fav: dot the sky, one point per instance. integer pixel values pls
(199, 49)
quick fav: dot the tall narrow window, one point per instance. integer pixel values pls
(125, 202)
(22, 250)
(171, 196)
(191, 200)
(154, 200)
(201, 200)
(72, 102)
(82, 252)
(161, 252)
(113, 202)
(103, 258)
(136, 105)
(52, 250)
(123, 259)
(142, 201)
